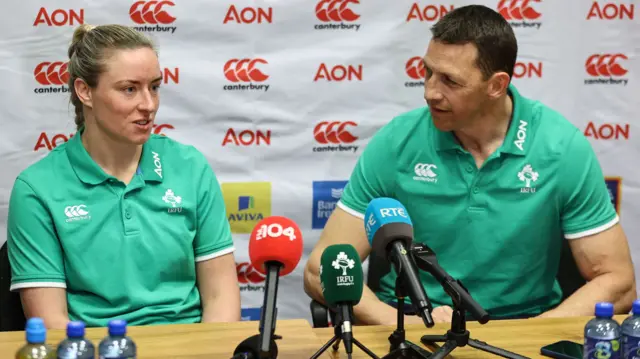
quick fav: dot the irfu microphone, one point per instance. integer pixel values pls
(341, 282)
(390, 233)
(275, 248)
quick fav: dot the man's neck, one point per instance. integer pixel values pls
(115, 158)
(488, 130)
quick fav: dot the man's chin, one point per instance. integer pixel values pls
(442, 124)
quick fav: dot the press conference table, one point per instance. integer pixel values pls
(300, 341)
(191, 340)
(522, 336)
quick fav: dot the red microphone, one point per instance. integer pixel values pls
(275, 239)
(275, 249)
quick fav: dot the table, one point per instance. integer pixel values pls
(210, 340)
(523, 336)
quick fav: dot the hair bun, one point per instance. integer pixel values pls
(78, 34)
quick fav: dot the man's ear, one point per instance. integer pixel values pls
(498, 85)
(83, 91)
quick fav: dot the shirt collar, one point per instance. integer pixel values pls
(85, 167)
(150, 167)
(518, 138)
(515, 141)
(89, 172)
(445, 141)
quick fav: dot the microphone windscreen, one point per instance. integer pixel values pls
(341, 276)
(276, 239)
(383, 211)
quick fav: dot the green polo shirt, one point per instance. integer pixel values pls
(499, 229)
(121, 251)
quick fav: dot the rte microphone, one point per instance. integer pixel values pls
(275, 248)
(390, 233)
(341, 280)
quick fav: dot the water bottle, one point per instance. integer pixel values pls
(36, 348)
(117, 345)
(631, 334)
(76, 346)
(602, 334)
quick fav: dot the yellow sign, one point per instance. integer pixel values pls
(246, 203)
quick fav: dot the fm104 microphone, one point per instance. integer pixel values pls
(275, 249)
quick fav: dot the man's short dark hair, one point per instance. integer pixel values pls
(487, 30)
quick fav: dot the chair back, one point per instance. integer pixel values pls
(568, 276)
(11, 314)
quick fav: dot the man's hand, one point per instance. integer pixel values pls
(440, 314)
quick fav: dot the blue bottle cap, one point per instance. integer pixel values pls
(35, 331)
(604, 310)
(117, 327)
(636, 307)
(75, 329)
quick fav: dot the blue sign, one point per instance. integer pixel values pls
(326, 195)
(248, 314)
(613, 185)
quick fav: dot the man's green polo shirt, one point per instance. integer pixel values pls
(121, 251)
(499, 229)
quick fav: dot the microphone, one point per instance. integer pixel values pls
(426, 259)
(341, 280)
(390, 233)
(275, 248)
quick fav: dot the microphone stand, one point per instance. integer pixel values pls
(400, 347)
(269, 311)
(250, 348)
(458, 335)
(263, 345)
(337, 330)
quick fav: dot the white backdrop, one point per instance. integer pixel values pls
(286, 94)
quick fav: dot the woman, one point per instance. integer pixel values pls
(119, 223)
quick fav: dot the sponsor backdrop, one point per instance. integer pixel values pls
(282, 96)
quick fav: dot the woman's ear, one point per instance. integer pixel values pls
(83, 91)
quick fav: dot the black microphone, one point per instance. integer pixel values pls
(390, 233)
(426, 259)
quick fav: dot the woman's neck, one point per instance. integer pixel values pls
(114, 157)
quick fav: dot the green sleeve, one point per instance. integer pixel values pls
(34, 250)
(586, 205)
(374, 174)
(213, 235)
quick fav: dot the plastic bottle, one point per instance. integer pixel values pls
(602, 334)
(36, 347)
(631, 333)
(76, 346)
(117, 345)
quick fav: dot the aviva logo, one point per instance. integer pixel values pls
(246, 203)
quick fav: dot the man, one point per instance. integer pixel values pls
(493, 183)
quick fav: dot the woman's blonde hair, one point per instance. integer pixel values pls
(90, 47)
